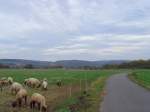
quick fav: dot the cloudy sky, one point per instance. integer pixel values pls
(75, 29)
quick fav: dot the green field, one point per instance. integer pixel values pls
(142, 77)
(59, 99)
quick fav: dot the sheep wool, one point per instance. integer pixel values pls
(44, 85)
(22, 94)
(10, 80)
(37, 98)
(32, 82)
(15, 87)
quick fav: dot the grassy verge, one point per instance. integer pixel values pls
(90, 101)
(141, 77)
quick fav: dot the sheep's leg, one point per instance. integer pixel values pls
(20, 102)
(25, 100)
(39, 106)
(1, 89)
(31, 104)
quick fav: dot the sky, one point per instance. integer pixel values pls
(75, 29)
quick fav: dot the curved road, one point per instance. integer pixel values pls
(122, 95)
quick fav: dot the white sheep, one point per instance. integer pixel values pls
(21, 95)
(44, 85)
(15, 87)
(10, 80)
(32, 82)
(3, 83)
(40, 100)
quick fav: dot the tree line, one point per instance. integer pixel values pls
(141, 64)
(29, 66)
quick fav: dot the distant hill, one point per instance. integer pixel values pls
(64, 63)
(21, 62)
(79, 63)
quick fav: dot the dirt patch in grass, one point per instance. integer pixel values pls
(54, 96)
(86, 102)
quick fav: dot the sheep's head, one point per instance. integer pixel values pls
(44, 108)
(59, 83)
(10, 82)
(14, 104)
(25, 82)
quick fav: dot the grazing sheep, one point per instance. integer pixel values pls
(6, 81)
(15, 87)
(59, 83)
(10, 80)
(32, 82)
(26, 82)
(38, 99)
(3, 83)
(44, 85)
(21, 95)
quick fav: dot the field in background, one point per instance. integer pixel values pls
(142, 77)
(59, 99)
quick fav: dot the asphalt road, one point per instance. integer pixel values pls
(122, 95)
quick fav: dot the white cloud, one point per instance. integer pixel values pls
(99, 46)
(88, 29)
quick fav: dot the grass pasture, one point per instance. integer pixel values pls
(58, 99)
(142, 77)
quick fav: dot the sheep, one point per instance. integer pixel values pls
(44, 85)
(3, 83)
(6, 81)
(38, 99)
(10, 80)
(26, 82)
(59, 83)
(15, 87)
(21, 95)
(32, 82)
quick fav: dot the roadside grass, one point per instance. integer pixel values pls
(95, 94)
(58, 99)
(141, 77)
